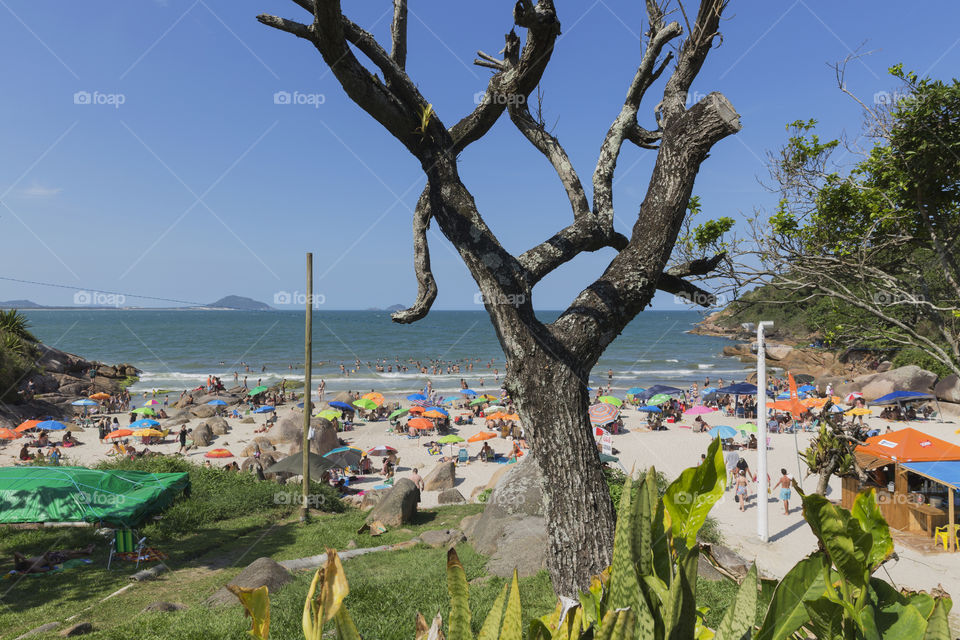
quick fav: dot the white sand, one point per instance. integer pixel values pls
(671, 451)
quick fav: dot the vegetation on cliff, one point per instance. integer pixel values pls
(18, 352)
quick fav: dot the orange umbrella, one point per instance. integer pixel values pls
(218, 453)
(100, 396)
(416, 409)
(27, 425)
(483, 435)
(376, 397)
(496, 415)
(8, 434)
(119, 433)
(433, 413)
(511, 416)
(420, 423)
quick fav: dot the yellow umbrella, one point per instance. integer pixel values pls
(147, 432)
(859, 411)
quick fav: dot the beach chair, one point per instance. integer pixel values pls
(462, 457)
(123, 543)
(942, 534)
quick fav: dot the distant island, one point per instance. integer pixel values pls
(226, 303)
(391, 308)
(239, 303)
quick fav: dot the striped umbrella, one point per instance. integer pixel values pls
(602, 413)
(218, 453)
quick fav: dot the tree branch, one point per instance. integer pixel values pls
(693, 52)
(426, 284)
(398, 33)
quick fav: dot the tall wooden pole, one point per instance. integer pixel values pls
(307, 409)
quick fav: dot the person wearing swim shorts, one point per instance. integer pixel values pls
(785, 483)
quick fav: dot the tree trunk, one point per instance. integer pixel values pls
(552, 399)
(825, 474)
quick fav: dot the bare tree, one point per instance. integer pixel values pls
(547, 364)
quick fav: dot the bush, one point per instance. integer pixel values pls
(922, 359)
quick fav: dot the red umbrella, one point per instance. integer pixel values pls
(382, 450)
(218, 453)
(119, 433)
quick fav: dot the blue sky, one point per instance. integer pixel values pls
(182, 178)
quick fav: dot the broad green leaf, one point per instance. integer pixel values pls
(680, 608)
(841, 535)
(512, 626)
(642, 529)
(866, 511)
(491, 626)
(690, 497)
(624, 587)
(739, 619)
(786, 612)
(346, 630)
(333, 586)
(938, 623)
(615, 625)
(313, 610)
(659, 542)
(826, 619)
(256, 603)
(459, 621)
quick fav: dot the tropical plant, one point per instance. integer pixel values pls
(17, 353)
(830, 451)
(14, 323)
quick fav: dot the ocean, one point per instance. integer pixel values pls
(179, 349)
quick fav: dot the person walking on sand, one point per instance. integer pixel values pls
(785, 483)
(741, 489)
(417, 480)
(320, 389)
(182, 435)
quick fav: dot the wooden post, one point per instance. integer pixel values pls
(307, 410)
(950, 520)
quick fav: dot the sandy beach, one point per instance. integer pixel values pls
(920, 565)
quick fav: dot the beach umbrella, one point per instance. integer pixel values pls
(416, 410)
(656, 389)
(342, 405)
(480, 437)
(852, 397)
(294, 465)
(651, 409)
(257, 390)
(707, 390)
(119, 433)
(145, 423)
(51, 425)
(434, 413)
(84, 403)
(343, 457)
(468, 392)
(382, 450)
(450, 439)
(152, 403)
(8, 434)
(266, 409)
(698, 410)
(807, 388)
(440, 409)
(420, 423)
(220, 403)
(147, 432)
(723, 432)
(600, 431)
(416, 396)
(473, 403)
(218, 453)
(147, 411)
(489, 397)
(632, 391)
(660, 398)
(617, 402)
(835, 409)
(329, 414)
(496, 415)
(859, 411)
(511, 416)
(100, 395)
(26, 425)
(602, 413)
(375, 396)
(749, 427)
(496, 407)
(451, 399)
(365, 403)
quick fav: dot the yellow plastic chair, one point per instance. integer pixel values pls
(943, 534)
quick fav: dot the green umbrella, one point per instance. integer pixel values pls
(617, 402)
(147, 411)
(365, 403)
(450, 439)
(257, 390)
(478, 401)
(660, 398)
(329, 414)
(397, 413)
(749, 427)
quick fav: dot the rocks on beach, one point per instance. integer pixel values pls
(261, 572)
(398, 506)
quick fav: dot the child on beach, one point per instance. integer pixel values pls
(784, 483)
(741, 489)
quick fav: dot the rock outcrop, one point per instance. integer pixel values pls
(398, 506)
(443, 476)
(261, 572)
(874, 385)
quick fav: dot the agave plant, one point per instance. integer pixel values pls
(14, 323)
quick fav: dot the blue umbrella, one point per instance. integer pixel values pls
(451, 399)
(440, 409)
(300, 405)
(412, 396)
(807, 388)
(467, 392)
(218, 403)
(651, 409)
(50, 425)
(264, 409)
(632, 391)
(144, 423)
(659, 388)
(723, 432)
(342, 405)
(707, 390)
(84, 403)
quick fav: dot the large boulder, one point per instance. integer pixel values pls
(261, 572)
(512, 529)
(290, 430)
(262, 444)
(443, 476)
(874, 385)
(202, 435)
(777, 351)
(438, 538)
(948, 389)
(218, 425)
(372, 498)
(203, 410)
(450, 496)
(399, 506)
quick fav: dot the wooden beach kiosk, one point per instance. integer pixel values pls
(917, 480)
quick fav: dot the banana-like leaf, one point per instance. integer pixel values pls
(334, 587)
(512, 626)
(891, 614)
(660, 543)
(739, 619)
(845, 541)
(690, 497)
(680, 607)
(491, 625)
(256, 602)
(703, 632)
(826, 619)
(866, 511)
(346, 629)
(786, 613)
(624, 587)
(459, 623)
(643, 510)
(313, 609)
(938, 623)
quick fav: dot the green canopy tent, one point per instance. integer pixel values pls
(76, 494)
